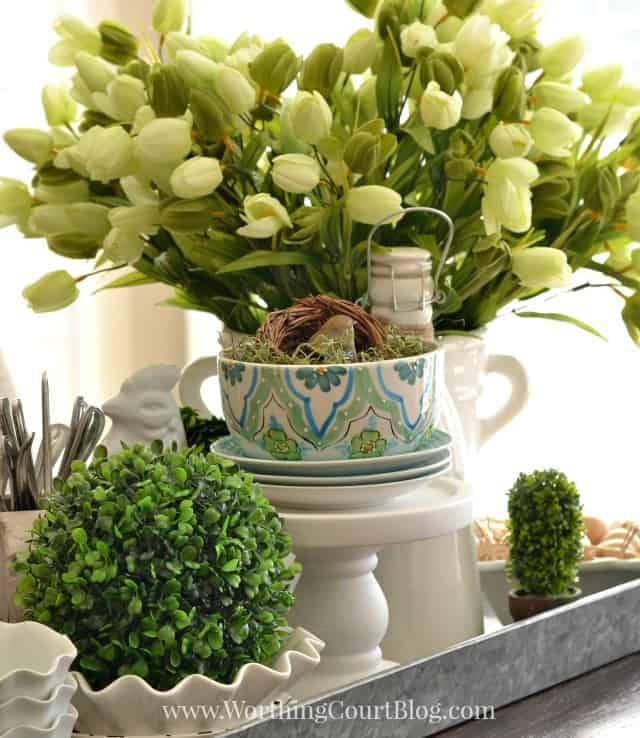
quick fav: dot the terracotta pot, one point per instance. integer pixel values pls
(523, 605)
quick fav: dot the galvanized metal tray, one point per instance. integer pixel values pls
(485, 673)
(476, 677)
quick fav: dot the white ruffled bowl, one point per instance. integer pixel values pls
(62, 727)
(37, 713)
(130, 706)
(35, 660)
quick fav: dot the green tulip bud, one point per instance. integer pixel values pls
(94, 72)
(602, 190)
(507, 197)
(59, 106)
(462, 8)
(168, 15)
(551, 200)
(373, 203)
(562, 57)
(123, 246)
(631, 317)
(74, 245)
(519, 18)
(296, 173)
(321, 69)
(632, 216)
(187, 216)
(125, 95)
(510, 140)
(76, 36)
(365, 7)
(77, 190)
(511, 96)
(527, 57)
(311, 117)
(15, 201)
(164, 141)
(169, 95)
(443, 68)
(558, 96)
(439, 110)
(136, 219)
(197, 177)
(362, 152)
(368, 100)
(601, 83)
(554, 134)
(629, 183)
(208, 117)
(540, 267)
(628, 95)
(265, 216)
(390, 20)
(138, 69)
(87, 218)
(197, 70)
(54, 291)
(417, 38)
(30, 144)
(235, 90)
(605, 117)
(119, 45)
(459, 169)
(143, 115)
(111, 155)
(275, 67)
(360, 52)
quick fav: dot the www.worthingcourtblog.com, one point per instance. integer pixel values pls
(324, 712)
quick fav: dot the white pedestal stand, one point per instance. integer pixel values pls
(338, 598)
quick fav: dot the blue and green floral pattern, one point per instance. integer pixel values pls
(280, 446)
(366, 444)
(233, 372)
(410, 371)
(323, 377)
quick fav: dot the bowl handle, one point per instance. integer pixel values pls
(191, 381)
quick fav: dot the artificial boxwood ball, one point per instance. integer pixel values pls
(160, 564)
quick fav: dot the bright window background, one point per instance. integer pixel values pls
(585, 399)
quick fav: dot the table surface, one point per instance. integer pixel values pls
(604, 703)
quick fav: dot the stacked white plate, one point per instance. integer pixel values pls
(35, 685)
(344, 484)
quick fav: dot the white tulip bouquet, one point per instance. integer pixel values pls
(245, 176)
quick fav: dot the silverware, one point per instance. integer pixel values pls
(58, 435)
(85, 432)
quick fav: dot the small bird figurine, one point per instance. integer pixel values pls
(145, 410)
(338, 331)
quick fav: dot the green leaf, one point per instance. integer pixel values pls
(259, 259)
(631, 317)
(562, 318)
(213, 251)
(421, 134)
(389, 83)
(133, 279)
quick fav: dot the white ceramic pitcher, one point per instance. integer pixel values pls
(467, 364)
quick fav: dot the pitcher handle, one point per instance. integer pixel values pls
(191, 381)
(515, 373)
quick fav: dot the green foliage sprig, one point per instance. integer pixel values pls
(202, 432)
(160, 564)
(545, 533)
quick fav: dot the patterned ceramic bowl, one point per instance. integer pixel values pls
(338, 411)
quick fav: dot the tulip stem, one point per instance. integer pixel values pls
(325, 171)
(100, 271)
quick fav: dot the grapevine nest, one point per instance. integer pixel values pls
(285, 330)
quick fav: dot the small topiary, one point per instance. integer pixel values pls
(160, 564)
(545, 533)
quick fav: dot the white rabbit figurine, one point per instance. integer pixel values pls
(145, 410)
